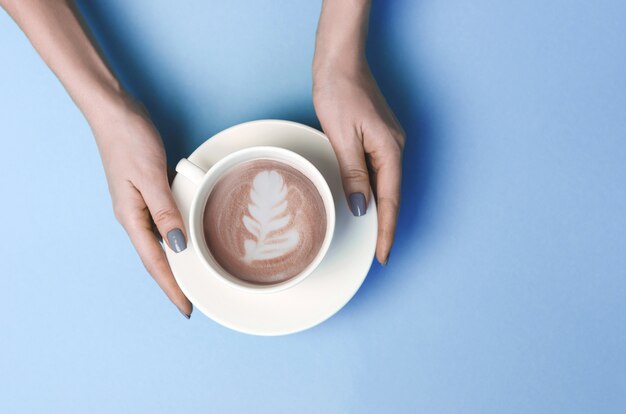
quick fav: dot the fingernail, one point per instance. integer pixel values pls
(387, 259)
(184, 314)
(357, 204)
(176, 240)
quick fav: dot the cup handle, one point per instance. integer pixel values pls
(190, 171)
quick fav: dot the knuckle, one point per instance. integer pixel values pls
(355, 174)
(396, 139)
(396, 144)
(120, 212)
(400, 138)
(390, 204)
(164, 215)
(390, 148)
(391, 153)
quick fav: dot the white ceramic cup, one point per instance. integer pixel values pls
(206, 180)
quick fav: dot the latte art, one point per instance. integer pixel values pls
(268, 213)
(264, 221)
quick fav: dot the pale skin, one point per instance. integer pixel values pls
(366, 136)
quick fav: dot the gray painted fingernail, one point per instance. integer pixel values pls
(386, 259)
(357, 204)
(184, 314)
(176, 240)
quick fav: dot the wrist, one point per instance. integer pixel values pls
(332, 57)
(105, 104)
(341, 38)
(329, 69)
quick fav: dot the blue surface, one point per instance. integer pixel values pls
(505, 293)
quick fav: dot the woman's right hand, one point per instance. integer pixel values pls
(136, 170)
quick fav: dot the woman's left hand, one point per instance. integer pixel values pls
(367, 139)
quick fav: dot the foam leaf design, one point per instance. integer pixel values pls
(267, 208)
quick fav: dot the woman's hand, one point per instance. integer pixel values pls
(135, 165)
(130, 146)
(364, 133)
(368, 142)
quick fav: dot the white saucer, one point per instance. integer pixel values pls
(322, 293)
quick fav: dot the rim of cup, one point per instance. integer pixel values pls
(210, 179)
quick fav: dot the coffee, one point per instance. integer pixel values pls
(264, 221)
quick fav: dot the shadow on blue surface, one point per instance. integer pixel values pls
(399, 82)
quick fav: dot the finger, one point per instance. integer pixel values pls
(355, 178)
(373, 174)
(167, 218)
(153, 258)
(388, 179)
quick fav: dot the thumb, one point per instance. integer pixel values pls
(354, 175)
(165, 214)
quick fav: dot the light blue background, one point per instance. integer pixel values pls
(505, 293)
